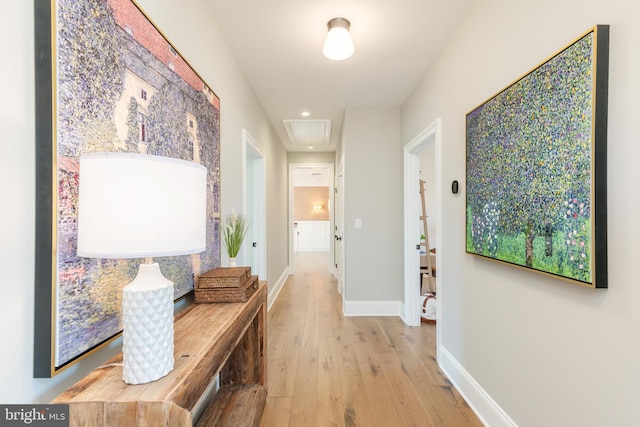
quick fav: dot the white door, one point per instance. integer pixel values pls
(254, 247)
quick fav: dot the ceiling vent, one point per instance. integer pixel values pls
(315, 133)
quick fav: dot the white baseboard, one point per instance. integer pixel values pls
(372, 308)
(489, 412)
(403, 312)
(410, 317)
(276, 288)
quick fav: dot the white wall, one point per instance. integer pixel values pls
(548, 352)
(310, 157)
(373, 193)
(312, 236)
(191, 28)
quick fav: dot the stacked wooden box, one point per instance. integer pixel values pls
(226, 284)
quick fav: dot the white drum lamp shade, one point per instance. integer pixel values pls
(142, 206)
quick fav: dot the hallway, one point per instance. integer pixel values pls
(328, 370)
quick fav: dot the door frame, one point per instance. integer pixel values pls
(339, 229)
(412, 227)
(254, 184)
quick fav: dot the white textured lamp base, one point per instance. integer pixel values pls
(148, 326)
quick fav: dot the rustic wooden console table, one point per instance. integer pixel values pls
(229, 339)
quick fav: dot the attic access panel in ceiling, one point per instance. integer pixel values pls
(308, 132)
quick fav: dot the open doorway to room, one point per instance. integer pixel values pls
(311, 199)
(428, 220)
(422, 161)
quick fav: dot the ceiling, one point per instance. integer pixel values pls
(278, 43)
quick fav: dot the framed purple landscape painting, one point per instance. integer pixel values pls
(536, 167)
(107, 80)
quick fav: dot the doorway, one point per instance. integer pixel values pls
(254, 177)
(431, 135)
(312, 219)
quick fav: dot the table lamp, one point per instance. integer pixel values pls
(142, 206)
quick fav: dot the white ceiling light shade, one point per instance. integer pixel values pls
(338, 44)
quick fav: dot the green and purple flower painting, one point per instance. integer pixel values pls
(530, 168)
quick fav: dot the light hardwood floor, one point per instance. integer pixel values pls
(329, 370)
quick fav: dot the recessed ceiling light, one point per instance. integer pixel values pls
(305, 114)
(310, 147)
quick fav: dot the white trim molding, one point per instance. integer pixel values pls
(489, 412)
(276, 288)
(254, 203)
(412, 311)
(372, 308)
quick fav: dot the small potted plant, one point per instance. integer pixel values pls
(234, 230)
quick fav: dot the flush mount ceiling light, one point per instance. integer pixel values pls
(338, 44)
